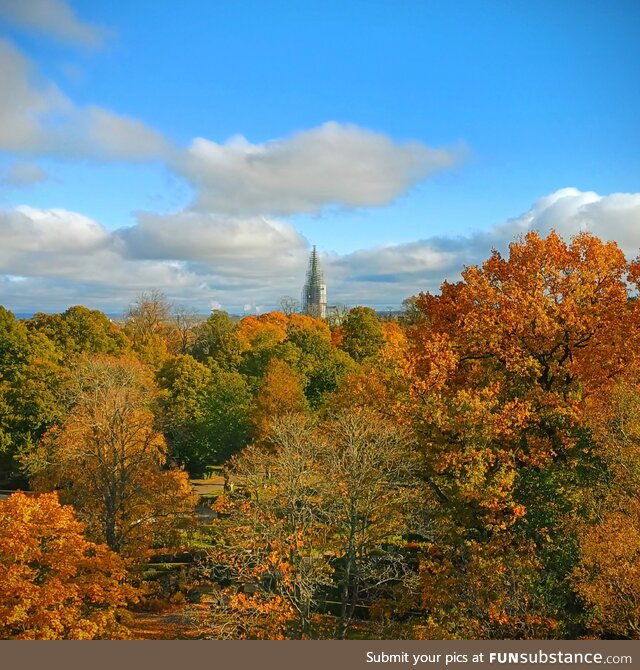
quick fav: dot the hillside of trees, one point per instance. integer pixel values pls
(469, 469)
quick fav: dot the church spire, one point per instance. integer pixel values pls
(314, 293)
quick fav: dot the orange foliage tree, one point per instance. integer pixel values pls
(378, 382)
(54, 583)
(607, 574)
(261, 331)
(280, 393)
(502, 360)
(500, 365)
(107, 459)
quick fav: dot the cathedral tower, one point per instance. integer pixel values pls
(314, 293)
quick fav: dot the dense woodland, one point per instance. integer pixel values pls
(469, 469)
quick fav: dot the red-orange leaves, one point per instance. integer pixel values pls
(501, 361)
(507, 369)
(548, 312)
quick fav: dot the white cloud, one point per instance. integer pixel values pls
(388, 262)
(64, 258)
(195, 260)
(386, 275)
(569, 211)
(332, 164)
(203, 237)
(53, 231)
(52, 17)
(102, 134)
(37, 118)
(22, 174)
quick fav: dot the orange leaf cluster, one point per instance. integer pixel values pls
(55, 584)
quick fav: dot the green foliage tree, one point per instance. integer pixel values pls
(31, 392)
(363, 334)
(216, 339)
(227, 425)
(315, 358)
(205, 412)
(81, 330)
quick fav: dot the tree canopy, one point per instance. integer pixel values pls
(469, 469)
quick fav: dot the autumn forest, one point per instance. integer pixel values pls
(467, 469)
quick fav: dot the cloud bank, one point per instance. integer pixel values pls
(53, 258)
(229, 246)
(196, 259)
(384, 274)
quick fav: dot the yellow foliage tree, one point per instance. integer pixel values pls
(281, 393)
(607, 577)
(107, 459)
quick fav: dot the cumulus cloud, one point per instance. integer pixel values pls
(54, 258)
(52, 17)
(386, 275)
(49, 231)
(570, 211)
(204, 237)
(332, 164)
(22, 174)
(37, 118)
(196, 260)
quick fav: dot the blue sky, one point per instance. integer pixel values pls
(405, 139)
